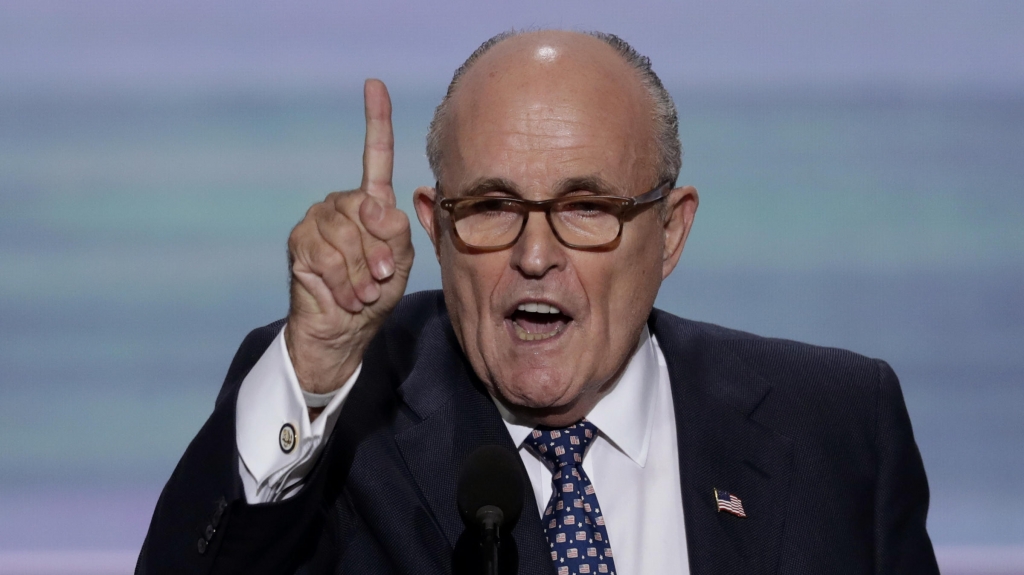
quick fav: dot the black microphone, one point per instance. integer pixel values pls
(490, 498)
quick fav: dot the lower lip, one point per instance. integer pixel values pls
(510, 326)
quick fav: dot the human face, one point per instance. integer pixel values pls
(537, 130)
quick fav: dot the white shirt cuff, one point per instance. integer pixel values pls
(277, 444)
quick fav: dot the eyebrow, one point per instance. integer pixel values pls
(565, 186)
(486, 185)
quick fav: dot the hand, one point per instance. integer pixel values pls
(350, 258)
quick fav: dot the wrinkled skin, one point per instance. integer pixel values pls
(542, 115)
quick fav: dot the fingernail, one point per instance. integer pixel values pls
(354, 306)
(384, 269)
(371, 292)
(374, 210)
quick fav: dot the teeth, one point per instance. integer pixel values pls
(534, 307)
(524, 335)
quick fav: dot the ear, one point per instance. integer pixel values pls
(682, 207)
(423, 200)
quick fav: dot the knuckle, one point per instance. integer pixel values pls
(324, 260)
(359, 269)
(357, 265)
(348, 234)
(381, 144)
(338, 284)
(344, 202)
(324, 214)
(313, 210)
(331, 259)
(403, 220)
(299, 237)
(334, 277)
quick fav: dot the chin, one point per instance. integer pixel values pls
(538, 391)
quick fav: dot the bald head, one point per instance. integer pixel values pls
(526, 73)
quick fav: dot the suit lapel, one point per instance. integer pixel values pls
(455, 416)
(722, 446)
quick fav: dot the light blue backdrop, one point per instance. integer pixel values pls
(151, 166)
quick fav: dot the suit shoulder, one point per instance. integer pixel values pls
(789, 366)
(826, 399)
(798, 363)
(789, 357)
(415, 311)
(418, 318)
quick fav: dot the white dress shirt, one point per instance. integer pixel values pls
(269, 399)
(633, 463)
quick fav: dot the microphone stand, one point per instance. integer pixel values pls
(489, 518)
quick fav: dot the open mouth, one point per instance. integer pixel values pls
(536, 321)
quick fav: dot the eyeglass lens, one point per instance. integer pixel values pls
(492, 223)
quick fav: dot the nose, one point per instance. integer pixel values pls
(538, 251)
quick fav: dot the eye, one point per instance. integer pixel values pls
(586, 208)
(488, 207)
(497, 204)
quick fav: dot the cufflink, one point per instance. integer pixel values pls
(287, 438)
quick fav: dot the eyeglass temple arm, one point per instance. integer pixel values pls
(653, 195)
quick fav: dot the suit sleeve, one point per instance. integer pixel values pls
(202, 523)
(902, 544)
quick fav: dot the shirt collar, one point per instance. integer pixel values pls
(624, 415)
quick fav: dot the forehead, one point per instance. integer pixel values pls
(540, 109)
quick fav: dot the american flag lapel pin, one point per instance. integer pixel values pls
(729, 503)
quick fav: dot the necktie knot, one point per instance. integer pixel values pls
(564, 446)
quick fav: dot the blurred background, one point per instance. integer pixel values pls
(860, 164)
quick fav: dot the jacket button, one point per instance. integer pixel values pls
(222, 504)
(209, 532)
(201, 545)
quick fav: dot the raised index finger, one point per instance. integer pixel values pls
(379, 148)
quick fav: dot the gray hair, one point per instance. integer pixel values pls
(666, 120)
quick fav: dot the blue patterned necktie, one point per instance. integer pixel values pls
(573, 522)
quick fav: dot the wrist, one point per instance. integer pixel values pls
(321, 366)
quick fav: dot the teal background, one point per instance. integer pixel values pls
(143, 236)
(860, 166)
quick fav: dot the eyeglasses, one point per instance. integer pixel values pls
(581, 222)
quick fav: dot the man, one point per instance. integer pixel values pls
(652, 444)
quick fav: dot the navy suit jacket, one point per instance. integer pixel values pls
(816, 441)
